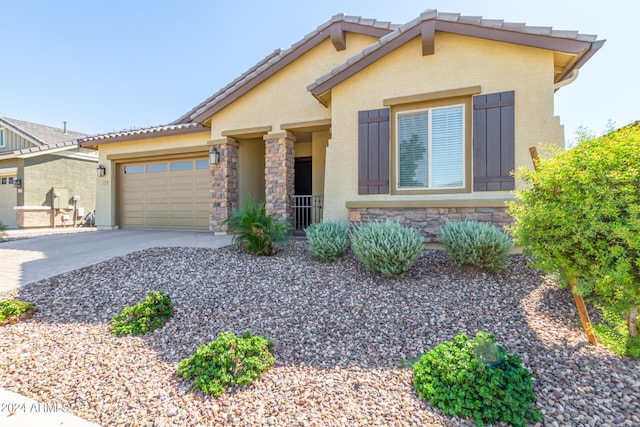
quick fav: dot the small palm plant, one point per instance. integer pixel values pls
(257, 231)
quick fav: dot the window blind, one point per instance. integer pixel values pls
(447, 147)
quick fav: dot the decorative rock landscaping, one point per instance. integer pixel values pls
(343, 340)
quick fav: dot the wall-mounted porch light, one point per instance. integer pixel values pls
(214, 156)
(17, 183)
(101, 170)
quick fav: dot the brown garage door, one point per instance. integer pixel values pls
(165, 194)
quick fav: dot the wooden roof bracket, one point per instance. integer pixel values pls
(336, 32)
(428, 31)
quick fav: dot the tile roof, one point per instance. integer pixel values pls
(44, 148)
(41, 134)
(141, 132)
(456, 18)
(277, 57)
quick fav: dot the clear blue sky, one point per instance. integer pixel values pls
(112, 65)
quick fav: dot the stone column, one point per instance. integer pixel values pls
(224, 184)
(279, 166)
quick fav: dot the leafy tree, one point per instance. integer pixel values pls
(580, 218)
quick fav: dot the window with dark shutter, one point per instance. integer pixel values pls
(373, 151)
(493, 142)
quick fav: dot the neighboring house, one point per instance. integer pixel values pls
(42, 169)
(422, 123)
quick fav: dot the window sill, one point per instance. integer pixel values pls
(473, 201)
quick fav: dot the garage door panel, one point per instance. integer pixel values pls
(134, 184)
(181, 181)
(155, 196)
(133, 197)
(202, 180)
(159, 197)
(133, 209)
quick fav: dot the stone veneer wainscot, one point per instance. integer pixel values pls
(428, 220)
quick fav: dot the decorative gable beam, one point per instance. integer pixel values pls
(338, 37)
(428, 31)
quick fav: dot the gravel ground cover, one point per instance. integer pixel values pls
(343, 338)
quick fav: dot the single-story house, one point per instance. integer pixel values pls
(46, 179)
(360, 120)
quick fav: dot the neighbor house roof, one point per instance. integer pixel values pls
(45, 140)
(580, 46)
(39, 134)
(148, 132)
(271, 64)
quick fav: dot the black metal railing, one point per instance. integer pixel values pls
(306, 210)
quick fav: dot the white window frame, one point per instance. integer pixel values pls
(3, 141)
(429, 146)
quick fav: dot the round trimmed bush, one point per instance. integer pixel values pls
(477, 379)
(227, 361)
(327, 240)
(386, 247)
(478, 244)
(147, 316)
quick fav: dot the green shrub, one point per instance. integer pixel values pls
(327, 240)
(477, 379)
(2, 230)
(257, 231)
(227, 361)
(144, 317)
(579, 216)
(612, 332)
(478, 244)
(386, 247)
(12, 311)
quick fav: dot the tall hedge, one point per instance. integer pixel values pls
(580, 218)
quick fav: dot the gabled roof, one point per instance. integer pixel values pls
(583, 46)
(40, 135)
(39, 150)
(271, 64)
(149, 132)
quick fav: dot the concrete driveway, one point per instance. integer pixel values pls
(36, 258)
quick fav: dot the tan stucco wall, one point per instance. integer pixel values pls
(318, 146)
(106, 206)
(458, 62)
(251, 170)
(303, 149)
(283, 98)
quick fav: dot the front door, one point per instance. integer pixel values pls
(302, 187)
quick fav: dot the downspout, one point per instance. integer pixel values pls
(570, 79)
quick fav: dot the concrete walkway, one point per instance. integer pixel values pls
(40, 254)
(20, 411)
(36, 258)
